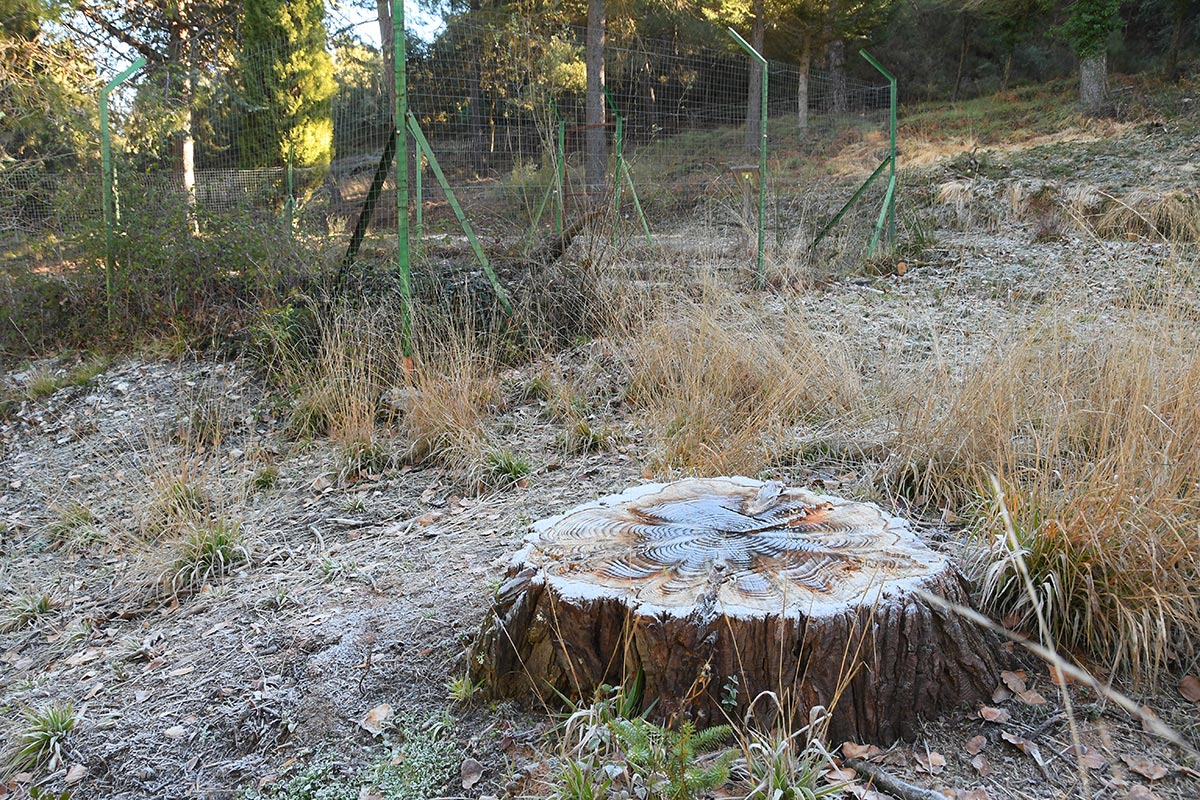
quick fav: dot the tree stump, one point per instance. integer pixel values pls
(719, 589)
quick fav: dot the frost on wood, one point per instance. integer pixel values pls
(718, 589)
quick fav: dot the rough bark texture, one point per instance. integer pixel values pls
(383, 16)
(758, 33)
(839, 100)
(596, 169)
(719, 589)
(1093, 84)
(802, 89)
(178, 49)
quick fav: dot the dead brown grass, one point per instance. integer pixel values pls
(448, 396)
(378, 406)
(1172, 216)
(723, 386)
(1096, 442)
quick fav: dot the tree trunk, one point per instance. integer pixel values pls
(478, 134)
(802, 89)
(715, 590)
(965, 24)
(383, 12)
(596, 161)
(179, 56)
(1008, 59)
(1093, 84)
(839, 101)
(758, 32)
(1171, 66)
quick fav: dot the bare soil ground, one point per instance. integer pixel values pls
(364, 589)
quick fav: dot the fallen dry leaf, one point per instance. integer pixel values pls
(1015, 681)
(974, 794)
(75, 774)
(1144, 766)
(853, 750)
(996, 715)
(1093, 760)
(1139, 792)
(1024, 745)
(981, 765)
(932, 762)
(1057, 677)
(375, 719)
(1001, 693)
(1149, 719)
(175, 732)
(470, 771)
(975, 744)
(840, 775)
(1031, 697)
(83, 657)
(1189, 687)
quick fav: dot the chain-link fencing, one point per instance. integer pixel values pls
(502, 109)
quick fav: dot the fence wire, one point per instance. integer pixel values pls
(490, 101)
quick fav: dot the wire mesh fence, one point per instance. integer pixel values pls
(503, 111)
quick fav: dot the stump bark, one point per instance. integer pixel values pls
(719, 589)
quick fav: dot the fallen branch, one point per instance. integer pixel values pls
(890, 783)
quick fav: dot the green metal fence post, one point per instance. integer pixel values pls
(891, 204)
(622, 171)
(403, 256)
(555, 187)
(107, 198)
(418, 232)
(887, 214)
(290, 205)
(762, 155)
(423, 147)
(560, 167)
(618, 136)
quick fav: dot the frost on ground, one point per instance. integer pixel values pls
(333, 595)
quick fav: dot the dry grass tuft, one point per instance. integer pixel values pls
(449, 396)
(358, 389)
(1096, 441)
(723, 387)
(339, 389)
(1172, 216)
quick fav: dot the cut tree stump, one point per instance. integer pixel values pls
(719, 589)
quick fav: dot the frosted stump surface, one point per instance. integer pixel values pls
(740, 545)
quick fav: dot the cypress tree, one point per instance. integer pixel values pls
(289, 85)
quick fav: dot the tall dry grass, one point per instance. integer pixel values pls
(359, 389)
(449, 396)
(1095, 438)
(723, 386)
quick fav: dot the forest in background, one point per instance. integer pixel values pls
(287, 59)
